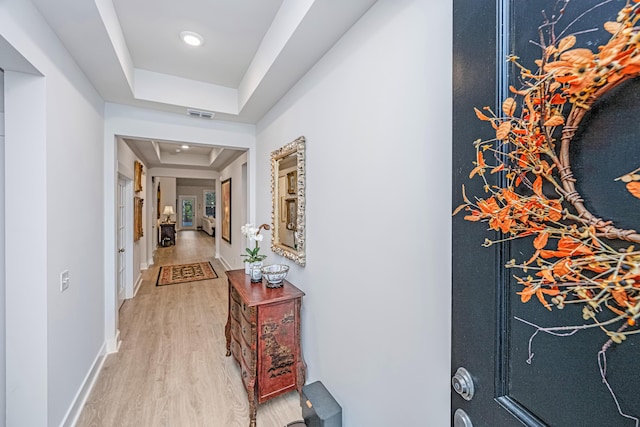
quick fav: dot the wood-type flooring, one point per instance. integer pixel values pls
(171, 368)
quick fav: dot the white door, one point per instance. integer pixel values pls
(121, 239)
(187, 216)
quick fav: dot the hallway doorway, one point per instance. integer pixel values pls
(187, 212)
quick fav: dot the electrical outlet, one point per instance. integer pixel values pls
(64, 280)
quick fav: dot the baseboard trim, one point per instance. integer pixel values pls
(225, 263)
(136, 286)
(73, 414)
(113, 344)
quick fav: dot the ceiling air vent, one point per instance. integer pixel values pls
(200, 113)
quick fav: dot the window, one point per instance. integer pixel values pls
(210, 203)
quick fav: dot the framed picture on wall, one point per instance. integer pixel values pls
(137, 176)
(291, 182)
(138, 231)
(158, 200)
(225, 188)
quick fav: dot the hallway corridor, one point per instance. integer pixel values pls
(171, 368)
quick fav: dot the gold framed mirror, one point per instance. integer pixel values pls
(288, 201)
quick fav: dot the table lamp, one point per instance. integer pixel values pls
(168, 211)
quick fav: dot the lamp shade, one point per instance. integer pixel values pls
(168, 210)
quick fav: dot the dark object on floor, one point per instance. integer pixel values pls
(167, 233)
(319, 408)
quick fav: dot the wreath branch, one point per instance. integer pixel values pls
(581, 267)
(573, 260)
(602, 356)
(572, 195)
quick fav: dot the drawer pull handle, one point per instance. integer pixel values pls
(244, 330)
(244, 352)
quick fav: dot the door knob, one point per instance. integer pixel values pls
(463, 384)
(121, 250)
(461, 419)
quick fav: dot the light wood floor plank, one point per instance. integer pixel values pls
(171, 369)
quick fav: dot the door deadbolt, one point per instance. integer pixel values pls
(463, 384)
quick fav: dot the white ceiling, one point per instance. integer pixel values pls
(254, 52)
(172, 154)
(232, 30)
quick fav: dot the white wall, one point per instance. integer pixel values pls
(3, 348)
(53, 142)
(230, 253)
(376, 115)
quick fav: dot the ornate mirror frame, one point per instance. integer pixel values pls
(288, 199)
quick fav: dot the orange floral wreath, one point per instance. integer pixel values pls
(572, 262)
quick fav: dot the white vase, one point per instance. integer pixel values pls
(256, 272)
(247, 268)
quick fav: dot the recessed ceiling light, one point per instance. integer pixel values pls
(191, 38)
(177, 150)
(186, 147)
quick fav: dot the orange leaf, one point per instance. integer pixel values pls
(510, 196)
(477, 169)
(620, 295)
(556, 120)
(472, 218)
(506, 225)
(516, 91)
(546, 254)
(526, 294)
(573, 246)
(533, 257)
(562, 267)
(555, 210)
(503, 130)
(522, 162)
(498, 168)
(566, 79)
(541, 241)
(489, 206)
(542, 300)
(480, 115)
(578, 56)
(613, 27)
(546, 275)
(566, 43)
(634, 188)
(480, 159)
(458, 209)
(509, 106)
(557, 99)
(537, 186)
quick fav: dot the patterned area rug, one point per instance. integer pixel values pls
(181, 273)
